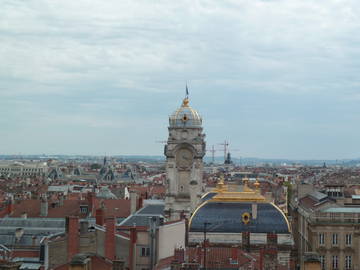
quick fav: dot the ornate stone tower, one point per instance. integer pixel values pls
(184, 152)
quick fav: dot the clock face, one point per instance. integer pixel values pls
(184, 158)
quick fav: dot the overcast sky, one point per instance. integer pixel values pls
(278, 79)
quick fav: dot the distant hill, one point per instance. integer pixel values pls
(219, 160)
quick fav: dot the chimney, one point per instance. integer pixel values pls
(10, 207)
(132, 251)
(140, 203)
(245, 241)
(33, 240)
(72, 230)
(84, 226)
(99, 215)
(110, 244)
(91, 202)
(18, 234)
(61, 199)
(261, 259)
(234, 253)
(254, 210)
(271, 239)
(44, 206)
(133, 201)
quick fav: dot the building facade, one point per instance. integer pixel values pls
(19, 169)
(327, 228)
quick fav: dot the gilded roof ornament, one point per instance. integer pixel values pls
(223, 193)
(257, 186)
(220, 186)
(185, 102)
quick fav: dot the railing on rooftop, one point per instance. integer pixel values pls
(335, 218)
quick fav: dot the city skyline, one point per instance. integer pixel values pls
(277, 79)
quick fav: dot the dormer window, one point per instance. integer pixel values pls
(84, 209)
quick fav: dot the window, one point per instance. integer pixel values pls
(322, 261)
(348, 239)
(321, 239)
(335, 239)
(145, 251)
(347, 262)
(84, 209)
(335, 261)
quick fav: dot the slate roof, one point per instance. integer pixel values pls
(157, 209)
(208, 196)
(318, 195)
(226, 217)
(32, 222)
(141, 217)
(34, 229)
(119, 208)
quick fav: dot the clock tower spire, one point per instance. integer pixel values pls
(184, 153)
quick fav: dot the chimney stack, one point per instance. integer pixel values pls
(10, 206)
(99, 216)
(72, 230)
(91, 202)
(140, 203)
(61, 199)
(44, 206)
(19, 232)
(132, 251)
(110, 244)
(133, 202)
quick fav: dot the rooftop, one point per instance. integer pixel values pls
(342, 210)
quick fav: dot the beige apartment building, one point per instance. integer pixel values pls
(19, 169)
(329, 228)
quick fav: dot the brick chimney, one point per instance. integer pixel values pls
(234, 253)
(133, 202)
(10, 207)
(91, 202)
(132, 251)
(245, 241)
(140, 203)
(72, 230)
(110, 244)
(99, 215)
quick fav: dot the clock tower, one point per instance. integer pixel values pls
(184, 152)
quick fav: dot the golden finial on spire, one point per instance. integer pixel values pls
(186, 99)
(185, 102)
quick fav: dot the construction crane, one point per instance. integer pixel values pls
(212, 151)
(226, 149)
(225, 144)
